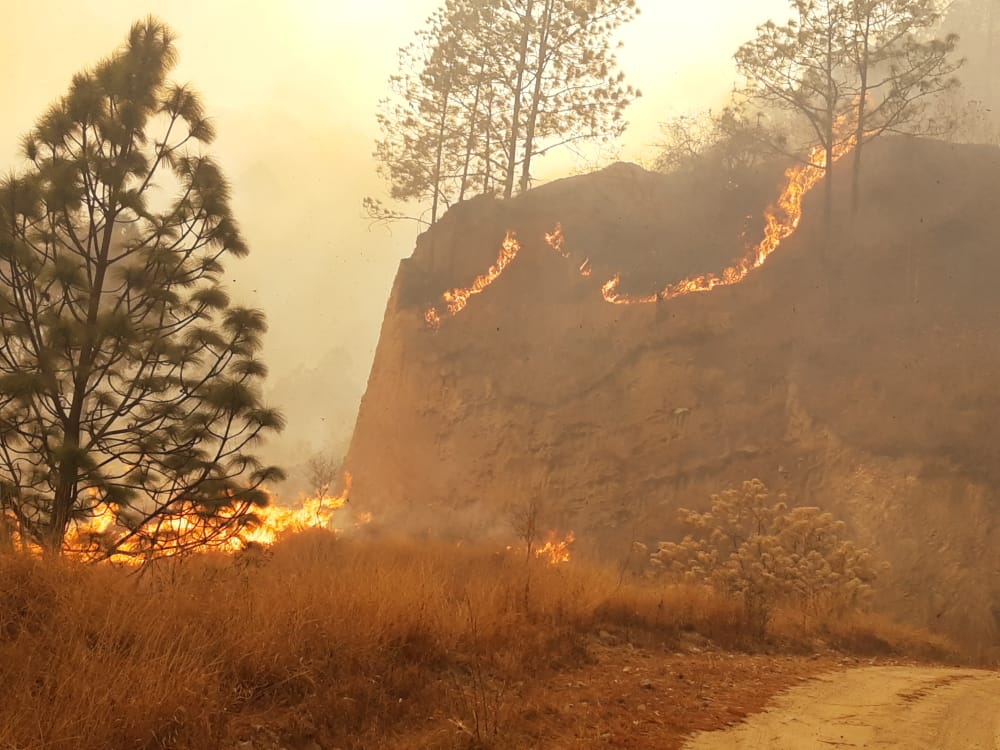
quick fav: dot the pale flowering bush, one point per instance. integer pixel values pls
(770, 554)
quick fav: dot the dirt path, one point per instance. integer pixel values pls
(875, 707)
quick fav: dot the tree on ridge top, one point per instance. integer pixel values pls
(129, 383)
(851, 70)
(489, 86)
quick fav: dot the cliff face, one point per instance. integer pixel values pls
(856, 373)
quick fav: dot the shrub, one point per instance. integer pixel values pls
(770, 554)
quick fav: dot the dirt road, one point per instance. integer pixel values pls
(875, 707)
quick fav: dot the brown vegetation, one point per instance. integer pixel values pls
(351, 644)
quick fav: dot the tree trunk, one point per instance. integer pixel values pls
(515, 120)
(487, 144)
(831, 118)
(859, 127)
(991, 83)
(828, 196)
(536, 96)
(470, 142)
(67, 486)
(439, 155)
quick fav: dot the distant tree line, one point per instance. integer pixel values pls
(487, 87)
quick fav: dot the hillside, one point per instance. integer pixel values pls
(860, 379)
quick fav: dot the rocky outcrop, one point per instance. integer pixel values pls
(856, 371)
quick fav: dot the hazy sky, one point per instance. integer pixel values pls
(293, 86)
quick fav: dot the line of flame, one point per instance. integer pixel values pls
(456, 299)
(801, 179)
(272, 522)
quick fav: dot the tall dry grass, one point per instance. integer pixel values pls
(335, 641)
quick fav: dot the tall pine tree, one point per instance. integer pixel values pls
(129, 384)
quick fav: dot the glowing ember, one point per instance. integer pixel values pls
(556, 551)
(458, 298)
(780, 222)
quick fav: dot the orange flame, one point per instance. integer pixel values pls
(181, 532)
(458, 298)
(555, 240)
(780, 222)
(556, 551)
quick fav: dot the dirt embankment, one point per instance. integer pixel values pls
(856, 373)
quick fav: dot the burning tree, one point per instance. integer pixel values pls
(769, 554)
(129, 384)
(489, 86)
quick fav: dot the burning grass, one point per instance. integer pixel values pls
(341, 642)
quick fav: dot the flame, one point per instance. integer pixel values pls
(780, 222)
(556, 551)
(182, 530)
(315, 512)
(555, 240)
(458, 298)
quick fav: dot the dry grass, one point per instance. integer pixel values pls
(320, 639)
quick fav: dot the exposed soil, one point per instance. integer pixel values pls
(896, 708)
(625, 697)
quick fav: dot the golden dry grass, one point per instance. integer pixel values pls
(336, 641)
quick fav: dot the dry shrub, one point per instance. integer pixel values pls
(670, 610)
(320, 639)
(864, 633)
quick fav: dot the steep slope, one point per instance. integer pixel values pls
(857, 373)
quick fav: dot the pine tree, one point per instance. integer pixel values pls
(568, 85)
(897, 69)
(129, 383)
(489, 86)
(802, 67)
(852, 69)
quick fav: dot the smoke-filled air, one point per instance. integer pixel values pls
(499, 374)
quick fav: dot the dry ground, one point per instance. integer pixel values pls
(896, 708)
(639, 698)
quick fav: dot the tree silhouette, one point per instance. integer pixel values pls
(852, 70)
(799, 67)
(897, 69)
(129, 384)
(489, 86)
